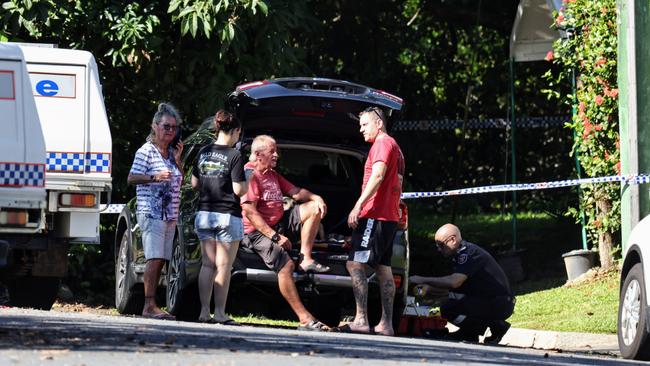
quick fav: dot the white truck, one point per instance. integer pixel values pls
(67, 92)
(22, 165)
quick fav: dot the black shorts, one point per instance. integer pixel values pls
(273, 255)
(372, 242)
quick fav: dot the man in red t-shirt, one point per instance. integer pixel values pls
(269, 230)
(374, 220)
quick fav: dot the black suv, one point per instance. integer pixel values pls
(314, 122)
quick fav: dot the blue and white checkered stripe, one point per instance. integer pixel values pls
(71, 162)
(98, 163)
(22, 175)
(628, 179)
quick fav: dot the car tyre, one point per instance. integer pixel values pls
(128, 300)
(182, 298)
(632, 332)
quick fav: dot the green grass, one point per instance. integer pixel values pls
(260, 320)
(590, 307)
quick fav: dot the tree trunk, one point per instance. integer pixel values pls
(605, 239)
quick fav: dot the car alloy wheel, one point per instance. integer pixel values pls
(633, 340)
(127, 299)
(631, 309)
(174, 277)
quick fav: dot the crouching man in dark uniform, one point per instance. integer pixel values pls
(479, 292)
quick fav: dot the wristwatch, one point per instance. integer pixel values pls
(275, 238)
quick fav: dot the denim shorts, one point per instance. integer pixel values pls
(218, 226)
(157, 237)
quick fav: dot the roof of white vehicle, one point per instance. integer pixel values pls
(10, 52)
(57, 55)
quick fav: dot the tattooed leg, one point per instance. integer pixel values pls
(387, 288)
(360, 290)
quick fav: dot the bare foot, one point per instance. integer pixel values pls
(354, 328)
(384, 331)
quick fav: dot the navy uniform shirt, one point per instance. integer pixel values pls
(485, 278)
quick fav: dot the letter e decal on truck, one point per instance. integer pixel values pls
(47, 88)
(53, 85)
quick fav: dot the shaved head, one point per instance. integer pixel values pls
(447, 230)
(448, 239)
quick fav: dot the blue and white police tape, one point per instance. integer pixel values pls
(629, 179)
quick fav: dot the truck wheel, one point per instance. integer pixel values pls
(632, 328)
(182, 298)
(34, 292)
(128, 300)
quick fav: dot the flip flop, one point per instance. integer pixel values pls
(160, 316)
(230, 322)
(345, 328)
(314, 326)
(315, 267)
(208, 320)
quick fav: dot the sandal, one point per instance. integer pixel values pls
(315, 267)
(160, 316)
(314, 326)
(230, 322)
(209, 320)
(345, 328)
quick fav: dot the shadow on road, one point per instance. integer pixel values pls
(131, 335)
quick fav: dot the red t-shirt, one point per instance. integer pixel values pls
(384, 205)
(265, 191)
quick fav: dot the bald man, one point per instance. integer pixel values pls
(479, 292)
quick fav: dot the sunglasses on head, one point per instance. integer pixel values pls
(374, 110)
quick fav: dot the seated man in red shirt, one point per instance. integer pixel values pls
(263, 215)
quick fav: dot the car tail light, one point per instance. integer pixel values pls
(251, 85)
(390, 96)
(403, 222)
(398, 281)
(77, 200)
(14, 218)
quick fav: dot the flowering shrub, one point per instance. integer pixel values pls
(589, 52)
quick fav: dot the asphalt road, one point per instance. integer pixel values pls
(31, 337)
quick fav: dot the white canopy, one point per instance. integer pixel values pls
(532, 36)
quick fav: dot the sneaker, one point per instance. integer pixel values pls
(497, 330)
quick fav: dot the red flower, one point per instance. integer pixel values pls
(549, 56)
(606, 155)
(600, 61)
(618, 168)
(598, 127)
(581, 107)
(597, 223)
(613, 93)
(559, 19)
(599, 100)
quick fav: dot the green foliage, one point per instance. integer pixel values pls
(590, 307)
(590, 51)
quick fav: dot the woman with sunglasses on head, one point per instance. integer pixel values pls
(218, 175)
(157, 173)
